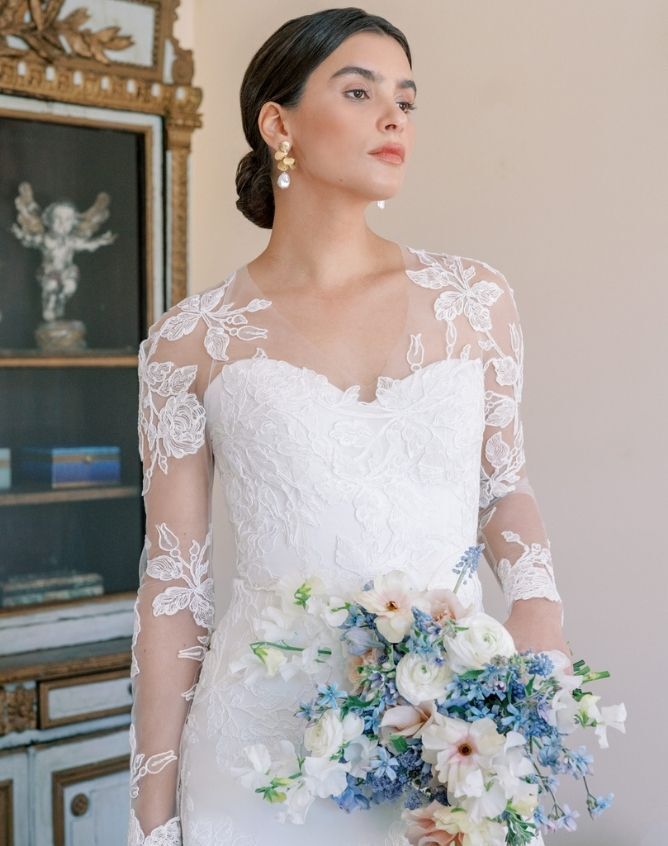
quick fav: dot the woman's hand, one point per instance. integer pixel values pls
(535, 624)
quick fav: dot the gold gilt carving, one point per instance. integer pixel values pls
(38, 26)
(83, 72)
(18, 710)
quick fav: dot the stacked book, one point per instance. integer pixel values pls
(47, 587)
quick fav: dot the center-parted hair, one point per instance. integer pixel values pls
(278, 72)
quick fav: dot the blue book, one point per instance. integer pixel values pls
(62, 467)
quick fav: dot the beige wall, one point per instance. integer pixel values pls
(543, 149)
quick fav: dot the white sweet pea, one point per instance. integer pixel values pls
(325, 736)
(334, 614)
(297, 802)
(484, 638)
(330, 609)
(278, 623)
(486, 799)
(525, 799)
(273, 659)
(286, 760)
(358, 753)
(254, 668)
(325, 778)
(509, 766)
(258, 774)
(420, 680)
(612, 716)
(563, 707)
(309, 659)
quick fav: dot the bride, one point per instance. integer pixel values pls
(359, 399)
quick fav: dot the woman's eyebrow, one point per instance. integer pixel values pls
(373, 76)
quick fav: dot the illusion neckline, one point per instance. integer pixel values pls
(351, 390)
(405, 271)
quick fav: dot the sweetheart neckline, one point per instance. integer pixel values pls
(351, 389)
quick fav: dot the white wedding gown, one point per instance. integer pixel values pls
(319, 477)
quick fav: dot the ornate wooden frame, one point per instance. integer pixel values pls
(53, 57)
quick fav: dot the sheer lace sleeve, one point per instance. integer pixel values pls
(174, 603)
(510, 524)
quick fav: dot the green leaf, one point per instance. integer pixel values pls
(399, 742)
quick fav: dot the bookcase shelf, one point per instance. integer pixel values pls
(26, 495)
(85, 358)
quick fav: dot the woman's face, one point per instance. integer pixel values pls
(343, 116)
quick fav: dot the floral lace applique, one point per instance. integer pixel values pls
(532, 574)
(168, 834)
(174, 425)
(140, 767)
(197, 593)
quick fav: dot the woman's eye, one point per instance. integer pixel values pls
(355, 91)
(405, 105)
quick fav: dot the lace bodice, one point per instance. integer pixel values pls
(229, 380)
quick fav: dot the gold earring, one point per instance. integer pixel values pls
(285, 163)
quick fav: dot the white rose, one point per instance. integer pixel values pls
(325, 736)
(484, 638)
(353, 726)
(419, 679)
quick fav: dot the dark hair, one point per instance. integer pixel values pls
(278, 72)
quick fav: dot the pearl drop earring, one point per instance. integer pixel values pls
(380, 204)
(285, 163)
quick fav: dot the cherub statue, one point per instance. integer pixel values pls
(60, 231)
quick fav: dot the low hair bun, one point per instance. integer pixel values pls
(255, 195)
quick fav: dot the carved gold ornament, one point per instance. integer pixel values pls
(37, 25)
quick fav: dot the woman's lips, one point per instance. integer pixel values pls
(388, 156)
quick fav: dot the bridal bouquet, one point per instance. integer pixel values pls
(439, 710)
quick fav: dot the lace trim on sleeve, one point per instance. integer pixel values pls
(167, 834)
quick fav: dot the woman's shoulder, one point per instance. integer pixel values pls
(200, 324)
(463, 270)
(448, 258)
(183, 317)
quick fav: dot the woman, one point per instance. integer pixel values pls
(360, 400)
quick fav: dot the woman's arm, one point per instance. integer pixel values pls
(510, 525)
(174, 605)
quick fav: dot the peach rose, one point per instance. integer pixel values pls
(407, 720)
(371, 656)
(422, 829)
(443, 605)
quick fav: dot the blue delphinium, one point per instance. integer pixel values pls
(424, 637)
(352, 797)
(359, 639)
(566, 820)
(384, 763)
(576, 762)
(307, 710)
(539, 664)
(597, 804)
(329, 695)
